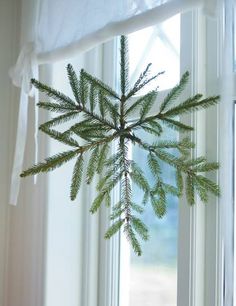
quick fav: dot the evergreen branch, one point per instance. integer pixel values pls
(102, 141)
(206, 167)
(107, 199)
(138, 103)
(74, 82)
(76, 177)
(168, 144)
(109, 182)
(101, 104)
(97, 202)
(151, 130)
(190, 190)
(154, 164)
(92, 97)
(92, 165)
(117, 211)
(53, 93)
(93, 116)
(125, 183)
(57, 108)
(155, 125)
(102, 157)
(139, 209)
(51, 163)
(179, 181)
(103, 121)
(124, 66)
(143, 84)
(187, 106)
(114, 228)
(161, 154)
(146, 120)
(112, 110)
(114, 159)
(143, 76)
(202, 191)
(61, 137)
(89, 126)
(145, 198)
(83, 88)
(181, 166)
(140, 228)
(104, 189)
(99, 84)
(60, 119)
(184, 146)
(159, 205)
(175, 92)
(147, 104)
(138, 177)
(171, 159)
(171, 189)
(177, 125)
(89, 133)
(132, 239)
(208, 184)
(195, 161)
(187, 143)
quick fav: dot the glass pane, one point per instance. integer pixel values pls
(151, 279)
(153, 276)
(159, 45)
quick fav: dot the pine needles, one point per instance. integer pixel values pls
(103, 119)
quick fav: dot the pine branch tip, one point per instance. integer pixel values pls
(34, 81)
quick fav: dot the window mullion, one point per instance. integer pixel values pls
(191, 248)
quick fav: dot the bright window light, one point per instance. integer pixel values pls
(160, 46)
(152, 278)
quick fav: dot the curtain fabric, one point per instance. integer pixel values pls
(80, 25)
(64, 28)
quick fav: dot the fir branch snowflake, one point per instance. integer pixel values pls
(103, 119)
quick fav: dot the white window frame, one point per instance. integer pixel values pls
(220, 230)
(98, 284)
(208, 283)
(200, 279)
(199, 251)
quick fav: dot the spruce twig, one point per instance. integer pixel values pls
(103, 119)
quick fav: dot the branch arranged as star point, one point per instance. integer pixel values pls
(103, 120)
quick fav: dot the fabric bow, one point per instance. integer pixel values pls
(25, 69)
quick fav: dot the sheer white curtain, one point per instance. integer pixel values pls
(80, 25)
(61, 29)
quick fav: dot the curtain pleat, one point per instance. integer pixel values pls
(63, 28)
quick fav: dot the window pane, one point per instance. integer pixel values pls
(152, 278)
(160, 46)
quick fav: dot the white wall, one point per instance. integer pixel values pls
(28, 232)
(21, 227)
(8, 110)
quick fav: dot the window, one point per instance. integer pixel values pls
(56, 251)
(152, 278)
(219, 215)
(81, 267)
